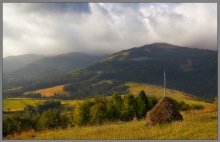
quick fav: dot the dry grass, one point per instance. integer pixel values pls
(17, 104)
(157, 91)
(52, 90)
(196, 125)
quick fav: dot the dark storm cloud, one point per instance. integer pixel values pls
(55, 8)
(55, 28)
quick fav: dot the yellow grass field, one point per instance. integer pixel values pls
(199, 124)
(52, 90)
(18, 104)
(157, 91)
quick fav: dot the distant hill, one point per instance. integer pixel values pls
(190, 70)
(12, 63)
(49, 67)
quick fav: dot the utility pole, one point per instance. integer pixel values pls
(164, 90)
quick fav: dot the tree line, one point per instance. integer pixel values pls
(53, 115)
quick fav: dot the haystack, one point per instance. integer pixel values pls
(164, 111)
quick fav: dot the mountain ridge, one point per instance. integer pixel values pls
(188, 69)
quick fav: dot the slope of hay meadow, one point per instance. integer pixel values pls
(47, 92)
(197, 124)
(157, 91)
(18, 104)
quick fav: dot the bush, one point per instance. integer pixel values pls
(114, 107)
(129, 108)
(98, 112)
(81, 114)
(37, 118)
(182, 106)
(196, 106)
(152, 102)
(18, 123)
(9, 126)
(142, 105)
(52, 119)
(51, 104)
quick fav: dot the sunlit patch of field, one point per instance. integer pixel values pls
(197, 124)
(157, 91)
(47, 92)
(17, 104)
(71, 102)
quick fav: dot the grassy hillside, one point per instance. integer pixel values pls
(48, 70)
(187, 69)
(200, 124)
(157, 91)
(52, 90)
(18, 104)
(197, 124)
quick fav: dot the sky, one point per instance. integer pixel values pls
(105, 28)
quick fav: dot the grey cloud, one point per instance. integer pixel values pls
(52, 8)
(97, 28)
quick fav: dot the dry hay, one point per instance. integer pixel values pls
(164, 111)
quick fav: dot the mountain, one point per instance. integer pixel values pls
(48, 68)
(187, 69)
(12, 63)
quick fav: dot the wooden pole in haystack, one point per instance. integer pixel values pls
(164, 90)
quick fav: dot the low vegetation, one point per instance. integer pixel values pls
(101, 110)
(157, 91)
(45, 118)
(199, 124)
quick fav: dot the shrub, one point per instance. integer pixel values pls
(9, 126)
(98, 112)
(142, 105)
(114, 107)
(52, 119)
(182, 106)
(51, 104)
(196, 106)
(129, 108)
(17, 123)
(81, 114)
(152, 102)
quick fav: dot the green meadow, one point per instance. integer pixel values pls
(197, 124)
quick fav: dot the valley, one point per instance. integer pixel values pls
(110, 71)
(197, 124)
(79, 96)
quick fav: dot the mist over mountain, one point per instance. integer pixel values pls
(12, 63)
(50, 67)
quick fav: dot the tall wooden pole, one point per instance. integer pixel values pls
(164, 90)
